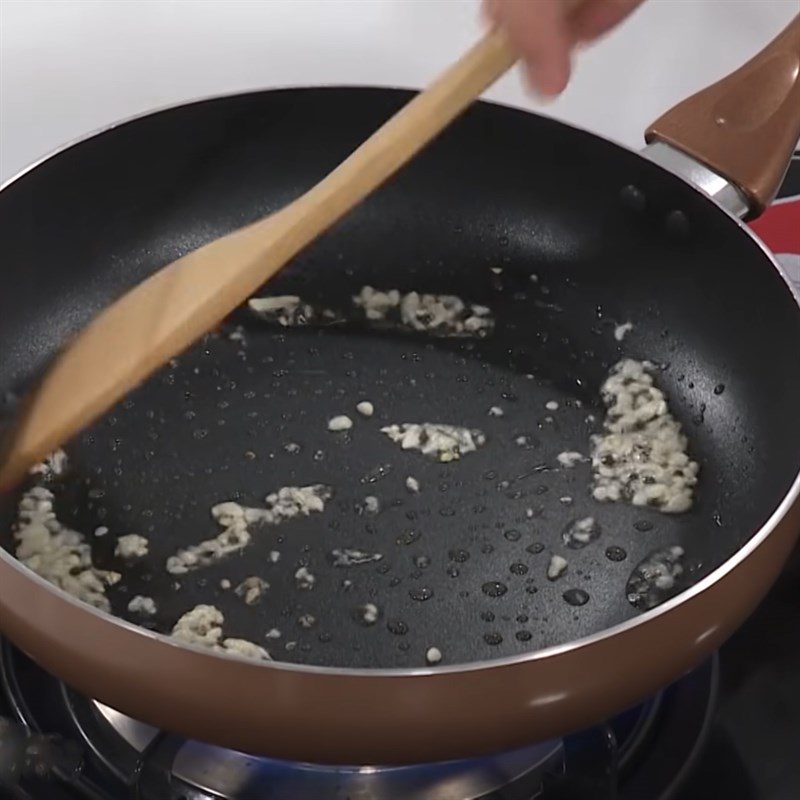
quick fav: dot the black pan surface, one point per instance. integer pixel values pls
(500, 189)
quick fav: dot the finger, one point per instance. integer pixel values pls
(490, 11)
(540, 33)
(595, 18)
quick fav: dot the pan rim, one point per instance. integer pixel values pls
(731, 563)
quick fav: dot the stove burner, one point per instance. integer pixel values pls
(92, 751)
(231, 774)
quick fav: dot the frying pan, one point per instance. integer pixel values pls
(564, 236)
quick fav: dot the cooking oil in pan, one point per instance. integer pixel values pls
(656, 578)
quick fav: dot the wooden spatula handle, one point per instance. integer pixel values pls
(166, 313)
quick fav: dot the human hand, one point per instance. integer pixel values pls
(545, 32)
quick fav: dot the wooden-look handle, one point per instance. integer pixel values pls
(166, 313)
(746, 126)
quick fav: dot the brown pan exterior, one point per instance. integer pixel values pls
(391, 717)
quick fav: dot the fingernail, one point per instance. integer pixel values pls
(545, 91)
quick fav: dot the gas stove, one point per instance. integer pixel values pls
(732, 726)
(60, 745)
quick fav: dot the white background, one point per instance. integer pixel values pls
(70, 66)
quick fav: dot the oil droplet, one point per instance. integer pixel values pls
(453, 571)
(535, 548)
(397, 627)
(518, 568)
(408, 538)
(487, 616)
(422, 594)
(643, 525)
(719, 388)
(614, 553)
(656, 578)
(422, 561)
(487, 548)
(377, 474)
(492, 638)
(524, 636)
(494, 588)
(531, 589)
(522, 618)
(513, 536)
(576, 597)
(633, 198)
(459, 556)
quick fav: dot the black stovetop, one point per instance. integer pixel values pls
(753, 751)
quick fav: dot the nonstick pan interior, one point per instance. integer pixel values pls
(501, 197)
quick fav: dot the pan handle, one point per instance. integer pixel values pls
(744, 128)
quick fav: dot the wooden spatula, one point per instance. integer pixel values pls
(162, 316)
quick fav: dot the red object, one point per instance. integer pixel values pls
(779, 226)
